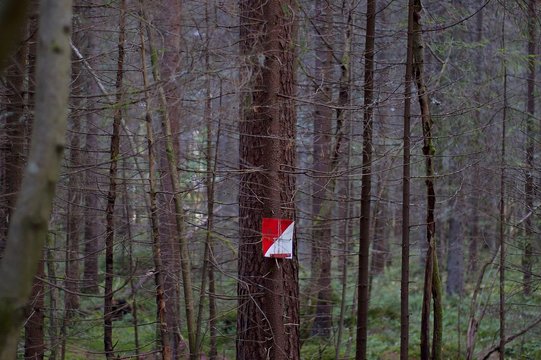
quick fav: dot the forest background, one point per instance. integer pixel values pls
(402, 139)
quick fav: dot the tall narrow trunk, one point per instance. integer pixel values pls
(406, 176)
(366, 177)
(74, 216)
(474, 234)
(93, 227)
(320, 278)
(168, 22)
(154, 220)
(178, 211)
(432, 283)
(112, 193)
(268, 307)
(211, 155)
(347, 207)
(53, 300)
(530, 142)
(455, 253)
(502, 200)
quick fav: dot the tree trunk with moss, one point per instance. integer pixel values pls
(29, 224)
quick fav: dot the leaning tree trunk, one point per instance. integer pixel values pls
(268, 305)
(29, 224)
(432, 282)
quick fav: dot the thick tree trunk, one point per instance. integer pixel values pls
(267, 187)
(112, 193)
(28, 226)
(366, 176)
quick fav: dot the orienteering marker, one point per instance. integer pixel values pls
(277, 238)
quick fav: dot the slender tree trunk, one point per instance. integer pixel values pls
(74, 216)
(366, 177)
(406, 177)
(168, 21)
(154, 220)
(267, 156)
(432, 282)
(53, 300)
(211, 156)
(347, 209)
(320, 282)
(502, 200)
(112, 193)
(530, 142)
(179, 211)
(474, 234)
(93, 227)
(455, 253)
(29, 223)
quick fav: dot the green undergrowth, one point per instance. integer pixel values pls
(85, 331)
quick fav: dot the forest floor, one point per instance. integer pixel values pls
(86, 331)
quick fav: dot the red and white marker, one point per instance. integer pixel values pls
(277, 238)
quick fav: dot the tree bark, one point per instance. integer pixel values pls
(28, 226)
(267, 186)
